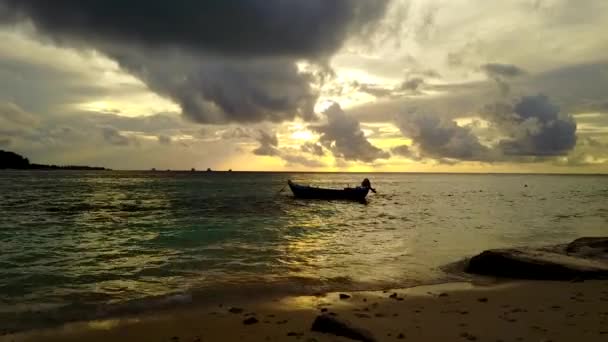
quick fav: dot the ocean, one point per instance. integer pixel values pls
(85, 245)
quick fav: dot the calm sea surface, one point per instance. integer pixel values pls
(81, 244)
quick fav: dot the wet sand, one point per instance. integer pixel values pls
(520, 311)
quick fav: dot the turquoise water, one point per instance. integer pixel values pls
(81, 244)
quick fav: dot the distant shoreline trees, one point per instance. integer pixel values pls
(14, 161)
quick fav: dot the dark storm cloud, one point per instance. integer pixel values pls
(221, 61)
(215, 90)
(302, 28)
(535, 127)
(313, 148)
(343, 136)
(439, 138)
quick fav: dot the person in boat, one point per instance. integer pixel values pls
(367, 184)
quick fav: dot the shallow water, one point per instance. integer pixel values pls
(76, 242)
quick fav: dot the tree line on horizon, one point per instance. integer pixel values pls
(14, 161)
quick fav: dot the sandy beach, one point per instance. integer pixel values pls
(516, 311)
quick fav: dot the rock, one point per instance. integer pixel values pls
(589, 247)
(344, 296)
(331, 325)
(250, 321)
(545, 264)
(235, 310)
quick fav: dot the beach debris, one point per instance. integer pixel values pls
(235, 310)
(250, 321)
(468, 336)
(362, 315)
(344, 296)
(331, 325)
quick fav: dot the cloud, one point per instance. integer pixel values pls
(14, 120)
(374, 89)
(343, 136)
(502, 70)
(215, 60)
(534, 127)
(440, 138)
(313, 148)
(164, 140)
(292, 158)
(266, 28)
(500, 73)
(215, 90)
(114, 137)
(412, 84)
(268, 144)
(237, 133)
(405, 151)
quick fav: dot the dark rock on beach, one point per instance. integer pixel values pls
(344, 296)
(585, 258)
(235, 310)
(589, 247)
(250, 321)
(331, 325)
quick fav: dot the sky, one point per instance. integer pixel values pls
(307, 85)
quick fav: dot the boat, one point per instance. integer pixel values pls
(308, 192)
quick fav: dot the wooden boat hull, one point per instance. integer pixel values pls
(308, 192)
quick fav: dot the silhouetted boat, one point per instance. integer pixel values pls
(309, 192)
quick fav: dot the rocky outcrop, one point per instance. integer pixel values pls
(585, 258)
(332, 325)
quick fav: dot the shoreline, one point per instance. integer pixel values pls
(461, 311)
